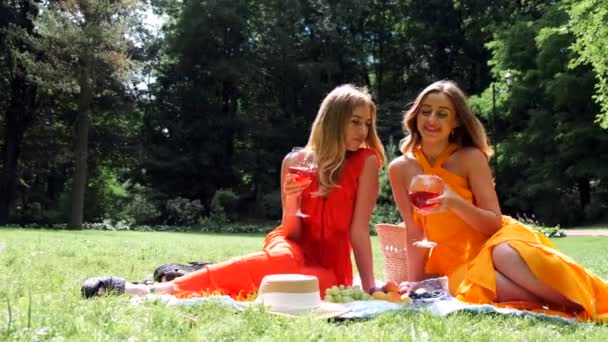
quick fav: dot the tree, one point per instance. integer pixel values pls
(85, 46)
(550, 151)
(20, 107)
(190, 130)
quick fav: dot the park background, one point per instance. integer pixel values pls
(175, 115)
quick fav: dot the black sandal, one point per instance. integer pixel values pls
(168, 272)
(99, 286)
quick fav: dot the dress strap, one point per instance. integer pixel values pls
(445, 155)
(426, 167)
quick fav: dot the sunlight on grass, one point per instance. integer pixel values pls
(43, 270)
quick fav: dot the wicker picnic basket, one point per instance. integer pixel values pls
(393, 240)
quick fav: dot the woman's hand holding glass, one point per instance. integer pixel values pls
(443, 202)
(302, 167)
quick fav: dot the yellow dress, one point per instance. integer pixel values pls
(465, 255)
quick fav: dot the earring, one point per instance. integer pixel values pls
(452, 134)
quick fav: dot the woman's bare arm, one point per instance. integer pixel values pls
(483, 215)
(400, 172)
(367, 193)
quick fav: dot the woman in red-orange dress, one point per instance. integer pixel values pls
(338, 204)
(487, 257)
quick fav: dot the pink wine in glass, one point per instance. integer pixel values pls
(304, 173)
(419, 199)
(423, 188)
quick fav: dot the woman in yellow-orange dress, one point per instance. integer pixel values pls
(488, 257)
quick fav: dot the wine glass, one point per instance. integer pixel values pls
(302, 162)
(423, 188)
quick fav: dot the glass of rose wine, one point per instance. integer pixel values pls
(302, 162)
(423, 188)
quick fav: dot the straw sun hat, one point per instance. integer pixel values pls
(295, 295)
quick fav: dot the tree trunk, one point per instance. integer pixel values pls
(8, 178)
(584, 192)
(380, 61)
(18, 117)
(229, 108)
(81, 149)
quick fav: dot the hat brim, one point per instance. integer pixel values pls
(324, 310)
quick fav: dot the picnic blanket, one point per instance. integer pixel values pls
(372, 308)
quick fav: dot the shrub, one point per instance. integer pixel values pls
(32, 212)
(551, 231)
(140, 207)
(385, 210)
(384, 213)
(547, 231)
(105, 198)
(224, 203)
(107, 224)
(105, 195)
(271, 205)
(182, 211)
(237, 228)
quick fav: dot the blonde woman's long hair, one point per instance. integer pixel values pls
(470, 132)
(327, 136)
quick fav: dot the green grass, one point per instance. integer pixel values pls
(41, 272)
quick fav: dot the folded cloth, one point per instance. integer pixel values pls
(446, 307)
(370, 308)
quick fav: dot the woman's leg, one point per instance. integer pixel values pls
(512, 266)
(241, 276)
(236, 277)
(508, 291)
(144, 289)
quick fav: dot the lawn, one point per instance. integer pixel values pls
(42, 272)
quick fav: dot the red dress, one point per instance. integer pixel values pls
(323, 249)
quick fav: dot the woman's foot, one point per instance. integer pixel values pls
(100, 286)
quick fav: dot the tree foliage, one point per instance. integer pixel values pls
(210, 102)
(547, 142)
(588, 23)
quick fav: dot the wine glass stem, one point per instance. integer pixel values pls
(424, 227)
(300, 213)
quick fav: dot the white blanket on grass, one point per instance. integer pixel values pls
(371, 308)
